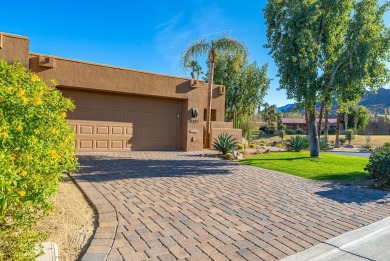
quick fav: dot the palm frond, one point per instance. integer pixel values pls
(194, 50)
(227, 44)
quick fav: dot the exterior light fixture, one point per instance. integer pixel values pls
(194, 112)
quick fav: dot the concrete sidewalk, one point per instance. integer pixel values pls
(371, 242)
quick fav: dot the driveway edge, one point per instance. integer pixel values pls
(107, 222)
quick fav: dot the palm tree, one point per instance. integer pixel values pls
(211, 48)
(194, 65)
(266, 111)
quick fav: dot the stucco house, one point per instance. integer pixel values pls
(123, 109)
(297, 123)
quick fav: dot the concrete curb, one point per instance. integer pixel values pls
(341, 247)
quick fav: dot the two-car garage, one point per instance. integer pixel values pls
(107, 121)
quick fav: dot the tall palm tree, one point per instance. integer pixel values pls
(211, 48)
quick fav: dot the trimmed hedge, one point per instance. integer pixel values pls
(36, 147)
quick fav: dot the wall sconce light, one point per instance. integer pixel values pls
(194, 112)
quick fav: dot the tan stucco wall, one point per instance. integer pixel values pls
(222, 124)
(236, 133)
(89, 76)
(14, 48)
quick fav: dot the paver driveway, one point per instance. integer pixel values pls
(177, 205)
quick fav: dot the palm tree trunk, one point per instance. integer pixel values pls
(355, 122)
(338, 130)
(326, 130)
(209, 104)
(345, 121)
(320, 119)
(313, 138)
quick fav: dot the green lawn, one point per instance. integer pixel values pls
(327, 167)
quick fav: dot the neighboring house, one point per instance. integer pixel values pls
(121, 109)
(296, 123)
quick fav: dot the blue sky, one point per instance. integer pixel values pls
(141, 34)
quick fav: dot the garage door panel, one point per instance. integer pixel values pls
(86, 144)
(102, 130)
(106, 122)
(102, 144)
(117, 130)
(86, 130)
(116, 144)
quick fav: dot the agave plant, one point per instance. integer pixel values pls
(298, 143)
(224, 143)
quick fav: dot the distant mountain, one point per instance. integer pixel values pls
(286, 108)
(377, 102)
(374, 102)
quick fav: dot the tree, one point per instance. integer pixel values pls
(265, 112)
(358, 118)
(196, 68)
(270, 114)
(211, 48)
(246, 84)
(327, 46)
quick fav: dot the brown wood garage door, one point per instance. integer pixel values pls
(105, 122)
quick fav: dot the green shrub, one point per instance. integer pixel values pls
(324, 146)
(343, 140)
(248, 135)
(224, 143)
(282, 127)
(258, 152)
(349, 135)
(282, 134)
(298, 143)
(240, 147)
(289, 132)
(332, 131)
(299, 131)
(36, 147)
(244, 152)
(267, 129)
(267, 151)
(379, 166)
(367, 146)
(228, 156)
(252, 145)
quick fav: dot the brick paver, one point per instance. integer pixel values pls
(190, 206)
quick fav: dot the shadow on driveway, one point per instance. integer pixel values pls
(110, 168)
(352, 194)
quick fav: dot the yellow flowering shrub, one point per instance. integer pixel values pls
(32, 156)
